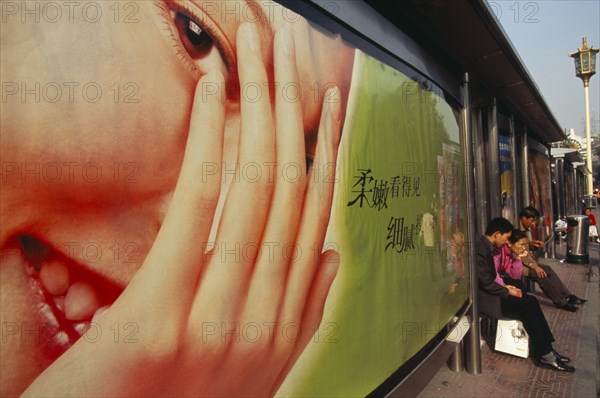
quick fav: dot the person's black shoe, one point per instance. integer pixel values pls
(569, 307)
(573, 299)
(557, 364)
(560, 357)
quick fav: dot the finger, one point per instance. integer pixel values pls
(174, 261)
(316, 212)
(268, 278)
(311, 321)
(225, 281)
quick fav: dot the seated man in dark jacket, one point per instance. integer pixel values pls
(498, 300)
(527, 219)
(543, 274)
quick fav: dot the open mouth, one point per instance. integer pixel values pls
(67, 296)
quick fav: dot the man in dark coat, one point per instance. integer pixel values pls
(498, 300)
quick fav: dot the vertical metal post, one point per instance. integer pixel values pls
(559, 174)
(525, 168)
(579, 198)
(588, 140)
(513, 141)
(473, 348)
(455, 362)
(494, 162)
(481, 185)
(569, 194)
(575, 183)
(553, 221)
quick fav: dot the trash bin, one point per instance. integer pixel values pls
(577, 239)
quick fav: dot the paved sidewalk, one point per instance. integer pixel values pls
(576, 336)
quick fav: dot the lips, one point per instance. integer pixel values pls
(67, 295)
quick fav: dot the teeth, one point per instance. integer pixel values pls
(55, 277)
(60, 303)
(81, 301)
(62, 337)
(100, 312)
(59, 289)
(47, 311)
(81, 327)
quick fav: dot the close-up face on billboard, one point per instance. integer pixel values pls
(217, 198)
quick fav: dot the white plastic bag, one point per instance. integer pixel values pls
(511, 338)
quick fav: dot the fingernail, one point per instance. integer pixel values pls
(286, 40)
(331, 260)
(334, 103)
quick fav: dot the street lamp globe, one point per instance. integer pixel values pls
(585, 68)
(585, 62)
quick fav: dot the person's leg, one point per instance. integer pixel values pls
(559, 284)
(593, 233)
(553, 287)
(537, 253)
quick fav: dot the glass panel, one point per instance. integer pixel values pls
(400, 224)
(507, 176)
(540, 194)
(577, 65)
(585, 62)
(593, 62)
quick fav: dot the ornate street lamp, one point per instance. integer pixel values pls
(585, 68)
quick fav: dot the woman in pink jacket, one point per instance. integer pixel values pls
(513, 260)
(508, 260)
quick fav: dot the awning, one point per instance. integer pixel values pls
(467, 32)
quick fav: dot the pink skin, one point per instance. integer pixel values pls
(140, 149)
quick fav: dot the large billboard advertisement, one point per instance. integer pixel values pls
(540, 194)
(505, 154)
(217, 198)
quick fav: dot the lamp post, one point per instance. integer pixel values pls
(585, 68)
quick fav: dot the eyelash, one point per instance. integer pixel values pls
(186, 11)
